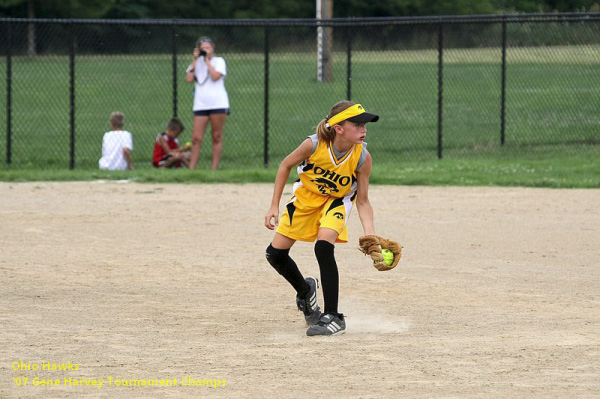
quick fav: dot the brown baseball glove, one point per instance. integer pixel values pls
(372, 245)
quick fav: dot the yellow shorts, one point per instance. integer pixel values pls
(306, 212)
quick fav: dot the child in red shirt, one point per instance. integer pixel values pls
(167, 153)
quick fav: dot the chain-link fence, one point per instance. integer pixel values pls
(444, 86)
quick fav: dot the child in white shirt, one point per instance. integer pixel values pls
(116, 145)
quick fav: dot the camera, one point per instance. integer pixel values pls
(202, 53)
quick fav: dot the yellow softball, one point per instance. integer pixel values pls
(388, 256)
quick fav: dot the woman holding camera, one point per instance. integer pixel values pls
(211, 102)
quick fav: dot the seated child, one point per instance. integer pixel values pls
(116, 145)
(167, 153)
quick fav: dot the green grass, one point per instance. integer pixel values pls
(553, 126)
(580, 171)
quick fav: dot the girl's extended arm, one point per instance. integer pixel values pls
(298, 155)
(214, 74)
(363, 205)
(190, 75)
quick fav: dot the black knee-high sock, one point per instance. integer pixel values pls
(281, 261)
(330, 280)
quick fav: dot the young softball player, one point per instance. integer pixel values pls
(333, 167)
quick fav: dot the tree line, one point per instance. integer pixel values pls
(252, 9)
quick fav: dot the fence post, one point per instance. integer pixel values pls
(503, 84)
(174, 59)
(266, 107)
(440, 87)
(72, 94)
(349, 65)
(8, 93)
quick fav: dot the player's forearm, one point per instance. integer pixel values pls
(365, 213)
(282, 175)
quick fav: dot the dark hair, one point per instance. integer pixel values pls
(205, 39)
(328, 133)
(175, 125)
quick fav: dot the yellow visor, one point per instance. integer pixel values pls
(355, 113)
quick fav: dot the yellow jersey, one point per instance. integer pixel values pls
(324, 193)
(325, 174)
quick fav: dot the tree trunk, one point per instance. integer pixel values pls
(30, 30)
(328, 56)
(324, 42)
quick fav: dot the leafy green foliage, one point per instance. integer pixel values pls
(251, 9)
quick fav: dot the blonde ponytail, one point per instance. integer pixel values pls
(325, 133)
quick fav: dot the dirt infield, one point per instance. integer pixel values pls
(161, 290)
